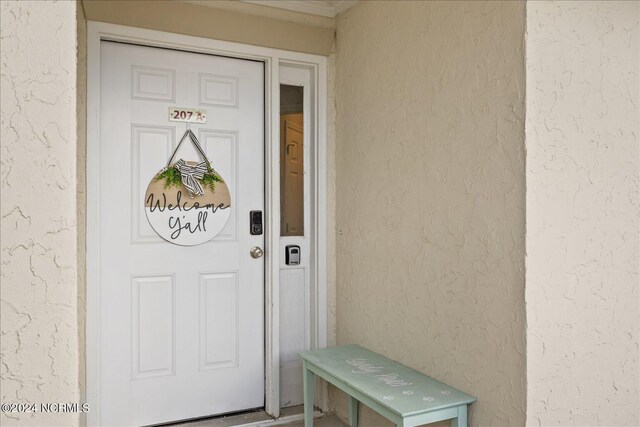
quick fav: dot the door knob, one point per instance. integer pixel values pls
(256, 252)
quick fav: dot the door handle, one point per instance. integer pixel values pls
(256, 252)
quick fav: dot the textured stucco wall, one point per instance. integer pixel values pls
(583, 212)
(38, 227)
(430, 201)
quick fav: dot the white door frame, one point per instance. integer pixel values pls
(273, 59)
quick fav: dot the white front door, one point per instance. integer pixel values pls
(181, 327)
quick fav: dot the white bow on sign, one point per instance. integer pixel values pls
(190, 176)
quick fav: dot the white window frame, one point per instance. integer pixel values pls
(273, 59)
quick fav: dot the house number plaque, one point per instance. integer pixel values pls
(187, 115)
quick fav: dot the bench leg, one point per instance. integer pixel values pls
(353, 411)
(461, 421)
(308, 387)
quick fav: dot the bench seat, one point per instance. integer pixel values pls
(401, 394)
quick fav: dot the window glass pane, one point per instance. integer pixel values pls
(291, 161)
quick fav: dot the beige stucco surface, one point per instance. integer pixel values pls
(289, 31)
(39, 347)
(583, 213)
(430, 200)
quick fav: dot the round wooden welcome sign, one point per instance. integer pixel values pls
(187, 203)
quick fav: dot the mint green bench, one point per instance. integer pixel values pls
(398, 393)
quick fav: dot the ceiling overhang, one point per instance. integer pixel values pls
(328, 8)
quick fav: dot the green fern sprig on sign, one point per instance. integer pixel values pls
(210, 178)
(171, 176)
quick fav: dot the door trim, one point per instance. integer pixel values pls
(273, 59)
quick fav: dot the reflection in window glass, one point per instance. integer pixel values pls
(291, 161)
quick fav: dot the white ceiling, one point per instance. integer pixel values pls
(329, 8)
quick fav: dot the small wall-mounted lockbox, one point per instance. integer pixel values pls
(292, 256)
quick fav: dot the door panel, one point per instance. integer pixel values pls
(181, 328)
(150, 145)
(152, 326)
(219, 313)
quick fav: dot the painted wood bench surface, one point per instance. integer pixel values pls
(401, 394)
